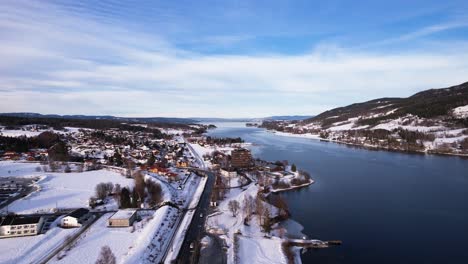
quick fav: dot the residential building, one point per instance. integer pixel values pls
(75, 218)
(241, 158)
(17, 225)
(182, 163)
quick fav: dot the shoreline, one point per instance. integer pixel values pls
(293, 187)
(295, 250)
(367, 147)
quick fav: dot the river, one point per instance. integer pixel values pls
(386, 207)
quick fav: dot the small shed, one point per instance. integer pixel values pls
(123, 218)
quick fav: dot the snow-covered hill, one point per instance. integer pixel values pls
(434, 121)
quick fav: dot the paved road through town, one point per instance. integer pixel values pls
(197, 227)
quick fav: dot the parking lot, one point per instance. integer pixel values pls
(14, 188)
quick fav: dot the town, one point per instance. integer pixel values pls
(140, 193)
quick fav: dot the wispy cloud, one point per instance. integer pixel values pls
(55, 61)
(422, 32)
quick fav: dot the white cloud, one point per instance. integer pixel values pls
(56, 62)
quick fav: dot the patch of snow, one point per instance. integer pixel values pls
(461, 112)
(261, 250)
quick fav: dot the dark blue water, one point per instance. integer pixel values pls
(386, 207)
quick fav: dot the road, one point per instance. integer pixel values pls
(28, 187)
(197, 228)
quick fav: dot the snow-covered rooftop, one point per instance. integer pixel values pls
(123, 214)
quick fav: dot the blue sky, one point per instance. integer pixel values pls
(224, 58)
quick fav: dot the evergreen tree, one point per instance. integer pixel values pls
(125, 198)
(136, 201)
(293, 168)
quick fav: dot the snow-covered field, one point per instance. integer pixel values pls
(33, 133)
(30, 249)
(71, 190)
(127, 243)
(19, 169)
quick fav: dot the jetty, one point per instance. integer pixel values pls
(313, 243)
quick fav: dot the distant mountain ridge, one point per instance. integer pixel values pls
(431, 121)
(105, 117)
(289, 117)
(426, 104)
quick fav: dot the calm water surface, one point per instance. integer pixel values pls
(386, 207)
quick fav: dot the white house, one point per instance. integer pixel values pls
(75, 218)
(17, 225)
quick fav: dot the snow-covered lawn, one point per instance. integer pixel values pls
(69, 190)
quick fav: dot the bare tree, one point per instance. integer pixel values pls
(101, 190)
(139, 184)
(266, 223)
(54, 166)
(117, 190)
(67, 168)
(79, 167)
(155, 192)
(106, 256)
(282, 206)
(259, 208)
(234, 207)
(248, 206)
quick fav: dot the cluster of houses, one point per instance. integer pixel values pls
(32, 155)
(139, 146)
